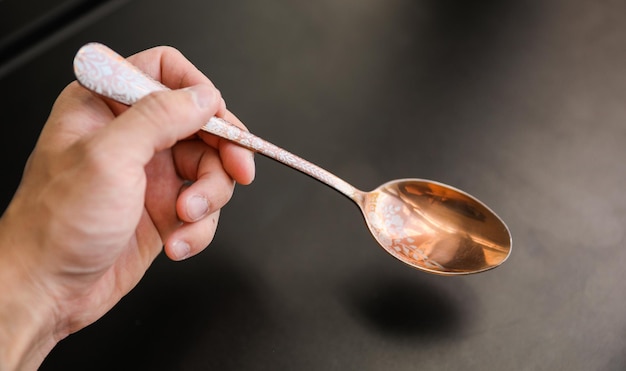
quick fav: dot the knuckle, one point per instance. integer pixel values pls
(169, 50)
(161, 109)
(95, 159)
(155, 105)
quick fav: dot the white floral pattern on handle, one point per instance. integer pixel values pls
(100, 69)
(105, 72)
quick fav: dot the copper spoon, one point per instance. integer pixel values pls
(427, 225)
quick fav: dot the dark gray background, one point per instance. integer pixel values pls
(521, 104)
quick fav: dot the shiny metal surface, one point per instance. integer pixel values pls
(427, 225)
(435, 227)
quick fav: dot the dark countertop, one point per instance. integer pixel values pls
(522, 104)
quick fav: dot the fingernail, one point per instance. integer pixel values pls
(251, 165)
(203, 95)
(197, 207)
(181, 250)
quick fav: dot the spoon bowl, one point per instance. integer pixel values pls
(435, 227)
(428, 225)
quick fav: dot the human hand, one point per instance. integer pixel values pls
(105, 188)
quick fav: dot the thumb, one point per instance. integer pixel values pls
(160, 119)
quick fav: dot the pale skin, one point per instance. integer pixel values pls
(106, 189)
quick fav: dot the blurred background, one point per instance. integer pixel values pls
(519, 103)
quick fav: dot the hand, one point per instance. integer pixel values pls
(105, 188)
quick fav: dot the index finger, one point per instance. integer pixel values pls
(169, 66)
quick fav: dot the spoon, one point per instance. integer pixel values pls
(428, 225)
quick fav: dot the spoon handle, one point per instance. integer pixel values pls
(103, 71)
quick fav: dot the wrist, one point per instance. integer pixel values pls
(27, 315)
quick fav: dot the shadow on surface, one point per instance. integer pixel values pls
(400, 306)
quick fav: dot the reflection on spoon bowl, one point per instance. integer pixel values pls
(435, 227)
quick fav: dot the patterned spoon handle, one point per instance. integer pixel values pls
(103, 71)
